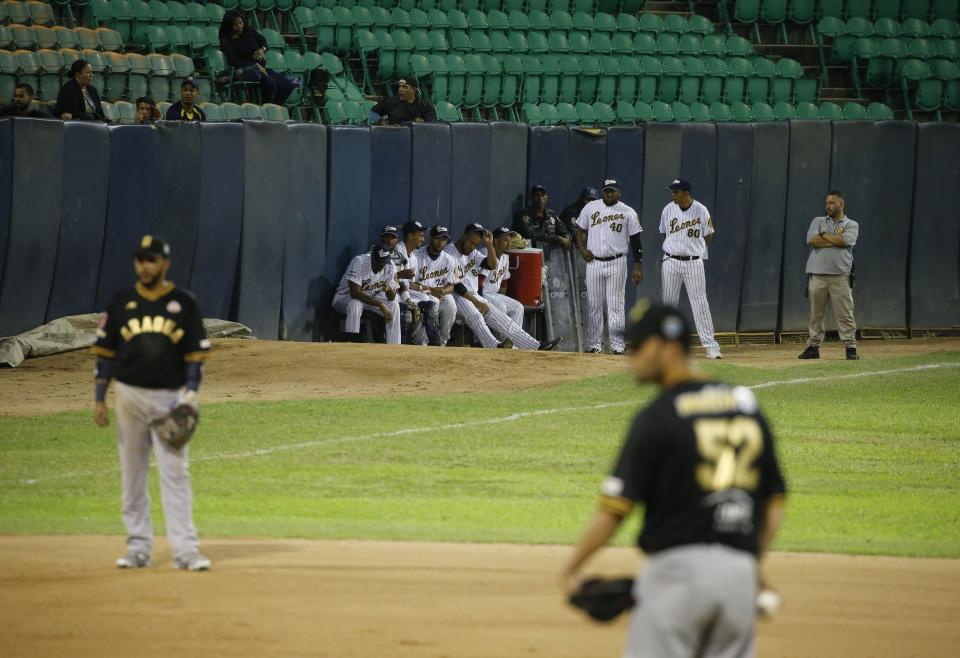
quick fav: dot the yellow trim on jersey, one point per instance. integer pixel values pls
(103, 352)
(616, 505)
(195, 356)
(154, 295)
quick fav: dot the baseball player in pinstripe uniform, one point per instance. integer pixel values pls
(607, 230)
(369, 284)
(434, 277)
(495, 282)
(687, 230)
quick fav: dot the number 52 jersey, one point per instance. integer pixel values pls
(701, 458)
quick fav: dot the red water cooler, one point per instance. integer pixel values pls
(526, 277)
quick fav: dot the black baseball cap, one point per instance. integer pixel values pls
(191, 82)
(438, 230)
(378, 252)
(413, 226)
(590, 193)
(611, 184)
(538, 188)
(646, 320)
(474, 227)
(502, 231)
(409, 80)
(389, 230)
(151, 245)
(679, 185)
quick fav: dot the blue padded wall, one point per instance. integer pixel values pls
(548, 164)
(176, 217)
(390, 172)
(430, 183)
(469, 175)
(6, 188)
(586, 165)
(508, 171)
(661, 165)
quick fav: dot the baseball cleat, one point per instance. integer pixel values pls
(617, 352)
(852, 354)
(593, 350)
(810, 353)
(507, 344)
(134, 559)
(714, 355)
(551, 345)
(192, 562)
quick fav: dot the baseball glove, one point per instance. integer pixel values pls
(604, 599)
(176, 428)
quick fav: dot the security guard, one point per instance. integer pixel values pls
(539, 224)
(569, 215)
(830, 276)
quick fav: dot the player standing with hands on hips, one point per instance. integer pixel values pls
(687, 230)
(702, 460)
(606, 230)
(152, 341)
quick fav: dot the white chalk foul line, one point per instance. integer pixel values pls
(475, 423)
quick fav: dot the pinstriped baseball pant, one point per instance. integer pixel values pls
(507, 305)
(689, 273)
(481, 324)
(606, 282)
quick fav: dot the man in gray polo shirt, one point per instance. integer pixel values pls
(828, 269)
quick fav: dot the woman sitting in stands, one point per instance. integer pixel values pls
(245, 50)
(78, 98)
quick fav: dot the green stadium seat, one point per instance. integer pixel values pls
(585, 114)
(213, 111)
(110, 40)
(579, 43)
(758, 87)
(604, 22)
(9, 68)
(589, 78)
(549, 114)
(746, 11)
(830, 111)
(97, 61)
(532, 79)
(109, 113)
(52, 63)
(859, 9)
(700, 112)
(690, 44)
(889, 9)
(626, 112)
(156, 39)
(537, 43)
(738, 46)
(562, 21)
(567, 114)
(539, 22)
(651, 23)
(914, 27)
(476, 76)
(159, 12)
(762, 112)
(919, 9)
(118, 70)
(251, 112)
(720, 112)
(162, 71)
(126, 112)
(808, 111)
(44, 37)
(570, 70)
(661, 111)
(944, 28)
(607, 82)
(714, 45)
(921, 49)
(783, 111)
(651, 70)
(879, 112)
(531, 115)
(675, 24)
(644, 44)
(694, 71)
(17, 12)
(830, 8)
(643, 111)
(774, 11)
(627, 23)
(802, 11)
(668, 44)
(600, 43)
(711, 89)
(735, 86)
(672, 73)
(583, 23)
(740, 112)
(700, 25)
(854, 112)
(550, 80)
(492, 81)
(681, 112)
(480, 42)
(946, 9)
(6, 37)
(629, 80)
(178, 12)
(951, 95)
(24, 37)
(884, 28)
(272, 112)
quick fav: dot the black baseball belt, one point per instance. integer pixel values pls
(681, 257)
(607, 258)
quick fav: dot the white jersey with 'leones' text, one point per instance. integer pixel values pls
(496, 278)
(608, 227)
(684, 230)
(371, 283)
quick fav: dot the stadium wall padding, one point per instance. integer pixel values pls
(470, 158)
(731, 218)
(809, 182)
(508, 171)
(430, 184)
(760, 290)
(390, 173)
(6, 188)
(304, 286)
(262, 239)
(86, 156)
(268, 250)
(34, 225)
(220, 212)
(178, 187)
(935, 238)
(131, 175)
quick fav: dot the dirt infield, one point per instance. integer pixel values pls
(271, 370)
(60, 596)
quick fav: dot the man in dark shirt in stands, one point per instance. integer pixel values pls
(571, 212)
(21, 105)
(408, 106)
(186, 109)
(538, 223)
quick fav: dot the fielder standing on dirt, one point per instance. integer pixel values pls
(152, 341)
(701, 459)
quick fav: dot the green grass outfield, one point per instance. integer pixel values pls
(873, 462)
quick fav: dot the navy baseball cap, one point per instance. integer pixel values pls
(502, 231)
(151, 245)
(438, 230)
(380, 253)
(679, 185)
(538, 188)
(474, 227)
(646, 320)
(191, 82)
(413, 226)
(611, 184)
(409, 80)
(590, 193)
(389, 230)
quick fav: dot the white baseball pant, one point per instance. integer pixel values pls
(606, 282)
(136, 408)
(507, 305)
(354, 308)
(481, 324)
(448, 316)
(689, 273)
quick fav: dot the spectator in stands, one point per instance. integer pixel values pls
(408, 106)
(571, 212)
(147, 111)
(21, 105)
(539, 224)
(186, 109)
(78, 98)
(246, 49)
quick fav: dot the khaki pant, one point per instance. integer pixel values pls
(833, 288)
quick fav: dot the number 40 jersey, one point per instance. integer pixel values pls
(608, 227)
(701, 458)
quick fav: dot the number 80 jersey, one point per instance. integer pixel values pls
(608, 227)
(684, 230)
(701, 458)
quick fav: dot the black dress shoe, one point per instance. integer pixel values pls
(810, 353)
(551, 345)
(852, 354)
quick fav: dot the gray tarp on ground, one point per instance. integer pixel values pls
(76, 332)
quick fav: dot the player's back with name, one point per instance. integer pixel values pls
(702, 458)
(150, 335)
